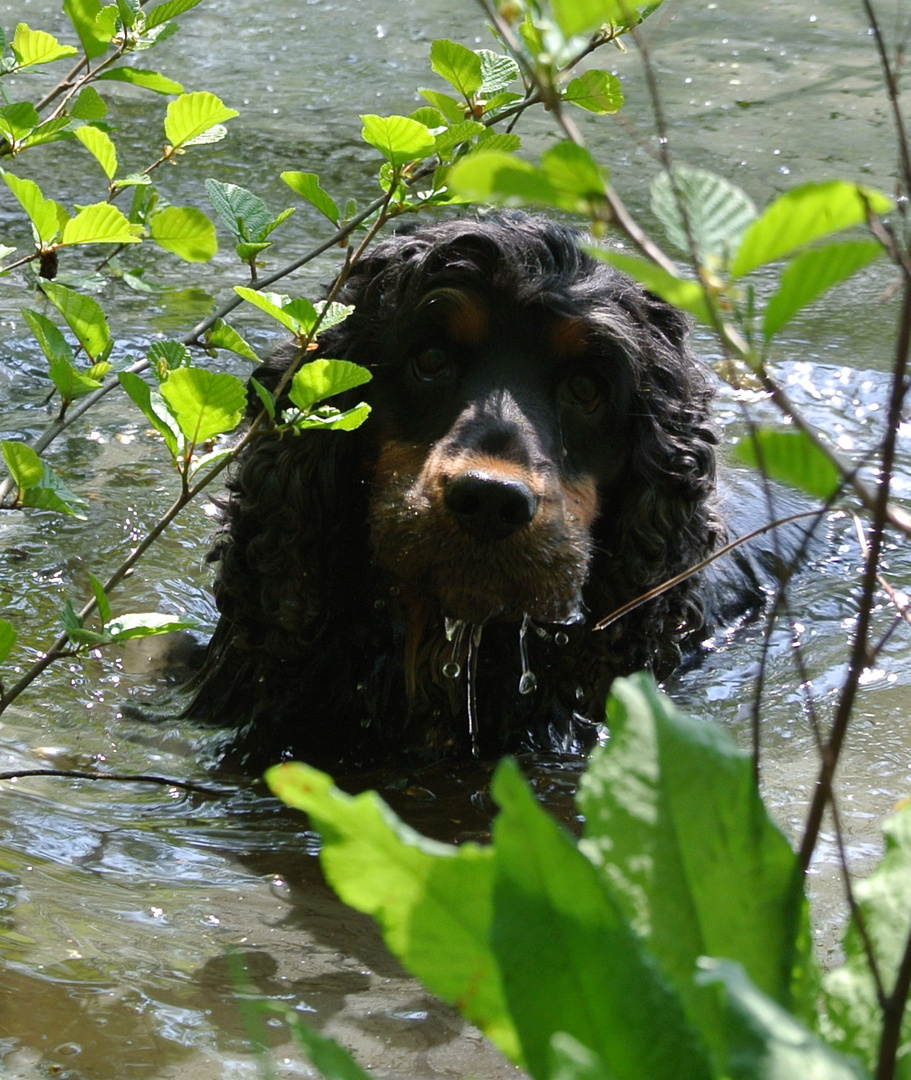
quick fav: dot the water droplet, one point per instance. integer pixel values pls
(528, 682)
(580, 693)
(452, 627)
(561, 638)
(452, 670)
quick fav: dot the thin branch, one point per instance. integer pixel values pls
(189, 786)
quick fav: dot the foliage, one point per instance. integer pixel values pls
(671, 940)
(581, 959)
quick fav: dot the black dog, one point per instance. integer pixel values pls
(539, 452)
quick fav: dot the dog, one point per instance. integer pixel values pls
(540, 451)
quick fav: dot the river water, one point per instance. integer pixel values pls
(134, 919)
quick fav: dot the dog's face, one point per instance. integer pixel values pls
(500, 426)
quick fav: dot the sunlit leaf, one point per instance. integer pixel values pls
(89, 105)
(7, 639)
(579, 16)
(382, 867)
(297, 315)
(204, 403)
(329, 419)
(322, 379)
(84, 316)
(101, 599)
(702, 212)
(460, 67)
(23, 463)
(397, 137)
(44, 214)
(53, 343)
(167, 355)
(191, 115)
(71, 383)
(596, 91)
(803, 215)
(83, 15)
(17, 120)
(185, 232)
(100, 223)
(453, 110)
(790, 456)
(39, 486)
(686, 295)
(170, 9)
(48, 132)
(144, 624)
(497, 72)
(152, 407)
(307, 186)
(31, 47)
(812, 273)
(148, 80)
(222, 336)
(100, 145)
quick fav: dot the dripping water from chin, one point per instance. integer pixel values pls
(456, 630)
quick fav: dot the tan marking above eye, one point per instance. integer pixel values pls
(569, 339)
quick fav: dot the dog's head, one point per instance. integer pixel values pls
(534, 412)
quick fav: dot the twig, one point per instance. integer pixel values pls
(120, 778)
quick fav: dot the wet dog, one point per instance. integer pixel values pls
(540, 451)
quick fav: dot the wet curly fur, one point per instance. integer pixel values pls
(540, 451)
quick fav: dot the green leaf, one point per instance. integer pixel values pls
(307, 186)
(327, 418)
(89, 105)
(53, 344)
(46, 216)
(596, 91)
(38, 485)
(331, 1061)
(687, 295)
(148, 80)
(453, 110)
(100, 145)
(803, 215)
(83, 14)
(853, 1012)
(100, 223)
(569, 960)
(246, 215)
(185, 232)
(48, 132)
(322, 379)
(165, 356)
(581, 16)
(18, 120)
(702, 206)
(144, 624)
(192, 115)
(812, 273)
(711, 876)
(23, 463)
(101, 599)
(462, 132)
(152, 407)
(764, 1041)
(31, 47)
(84, 317)
(204, 403)
(222, 336)
(460, 67)
(266, 397)
(297, 315)
(790, 456)
(432, 901)
(7, 639)
(497, 72)
(70, 382)
(169, 10)
(398, 138)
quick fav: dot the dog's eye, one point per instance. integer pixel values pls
(583, 392)
(432, 364)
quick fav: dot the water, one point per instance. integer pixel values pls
(121, 904)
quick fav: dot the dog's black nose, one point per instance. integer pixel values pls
(489, 507)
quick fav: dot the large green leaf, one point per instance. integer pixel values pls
(191, 115)
(297, 315)
(596, 91)
(854, 1016)
(100, 223)
(790, 456)
(152, 407)
(32, 47)
(397, 137)
(433, 901)
(698, 206)
(84, 316)
(569, 959)
(803, 215)
(812, 273)
(38, 485)
(307, 185)
(204, 403)
(100, 145)
(170, 9)
(322, 379)
(460, 67)
(185, 232)
(580, 16)
(47, 217)
(677, 827)
(83, 15)
(7, 639)
(687, 295)
(148, 80)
